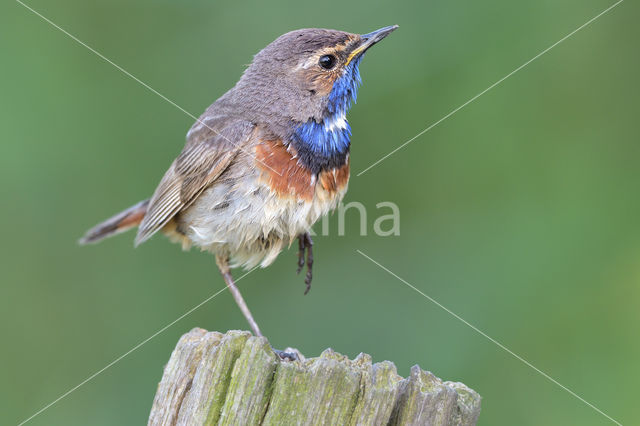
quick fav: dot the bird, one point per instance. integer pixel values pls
(264, 162)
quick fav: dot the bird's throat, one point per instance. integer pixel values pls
(323, 145)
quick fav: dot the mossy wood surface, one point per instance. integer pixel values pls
(236, 379)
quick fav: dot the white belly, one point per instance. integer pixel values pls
(249, 222)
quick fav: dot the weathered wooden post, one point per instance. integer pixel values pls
(236, 379)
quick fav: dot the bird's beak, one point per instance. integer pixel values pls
(368, 40)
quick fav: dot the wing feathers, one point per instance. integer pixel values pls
(195, 169)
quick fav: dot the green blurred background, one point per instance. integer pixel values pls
(519, 213)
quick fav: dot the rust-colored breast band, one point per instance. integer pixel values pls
(335, 180)
(282, 172)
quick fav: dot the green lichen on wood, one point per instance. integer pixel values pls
(178, 376)
(329, 378)
(250, 386)
(424, 399)
(204, 402)
(468, 401)
(234, 378)
(378, 394)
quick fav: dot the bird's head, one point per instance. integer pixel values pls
(306, 80)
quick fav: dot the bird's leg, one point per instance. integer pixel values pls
(305, 244)
(223, 265)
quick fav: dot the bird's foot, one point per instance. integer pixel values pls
(305, 244)
(286, 356)
(301, 249)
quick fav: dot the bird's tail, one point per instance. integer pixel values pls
(121, 222)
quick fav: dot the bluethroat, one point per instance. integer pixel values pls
(264, 162)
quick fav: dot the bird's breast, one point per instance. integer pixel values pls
(263, 205)
(287, 177)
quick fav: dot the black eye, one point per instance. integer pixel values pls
(327, 61)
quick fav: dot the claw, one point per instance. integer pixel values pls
(305, 246)
(291, 356)
(309, 276)
(301, 247)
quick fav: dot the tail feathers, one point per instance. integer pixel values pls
(121, 222)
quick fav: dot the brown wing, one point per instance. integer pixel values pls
(195, 169)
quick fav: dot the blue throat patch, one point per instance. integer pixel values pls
(328, 140)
